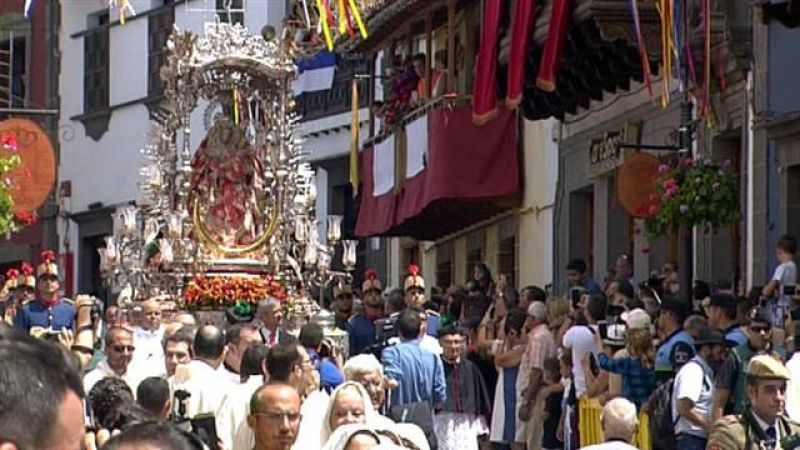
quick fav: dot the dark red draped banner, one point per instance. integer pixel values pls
(484, 92)
(522, 19)
(554, 46)
(464, 162)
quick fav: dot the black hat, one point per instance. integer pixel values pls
(712, 336)
(761, 315)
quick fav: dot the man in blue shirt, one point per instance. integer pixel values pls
(48, 313)
(417, 373)
(361, 327)
(578, 275)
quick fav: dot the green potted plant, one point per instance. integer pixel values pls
(692, 193)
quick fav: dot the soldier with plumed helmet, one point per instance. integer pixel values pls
(48, 313)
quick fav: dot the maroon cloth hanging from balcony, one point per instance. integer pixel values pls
(484, 91)
(521, 35)
(470, 170)
(554, 45)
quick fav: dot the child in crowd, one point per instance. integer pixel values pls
(568, 424)
(553, 394)
(782, 285)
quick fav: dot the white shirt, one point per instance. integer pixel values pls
(232, 377)
(206, 388)
(148, 358)
(765, 425)
(793, 388)
(231, 420)
(580, 339)
(693, 382)
(612, 445)
(431, 344)
(427, 342)
(103, 370)
(785, 275)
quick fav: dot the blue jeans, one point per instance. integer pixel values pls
(690, 442)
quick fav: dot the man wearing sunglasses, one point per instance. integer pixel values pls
(730, 395)
(119, 352)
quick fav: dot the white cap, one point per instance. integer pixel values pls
(637, 319)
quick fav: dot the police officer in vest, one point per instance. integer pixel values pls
(48, 314)
(763, 425)
(415, 298)
(361, 327)
(677, 345)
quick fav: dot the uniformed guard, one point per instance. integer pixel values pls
(26, 285)
(8, 302)
(342, 303)
(763, 426)
(677, 348)
(415, 298)
(48, 313)
(361, 327)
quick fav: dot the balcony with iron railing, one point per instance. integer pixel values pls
(337, 99)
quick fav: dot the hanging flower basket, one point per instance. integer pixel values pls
(692, 193)
(221, 292)
(11, 218)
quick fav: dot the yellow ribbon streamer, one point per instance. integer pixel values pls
(361, 28)
(342, 18)
(236, 106)
(326, 30)
(665, 10)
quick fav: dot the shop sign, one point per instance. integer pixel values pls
(605, 154)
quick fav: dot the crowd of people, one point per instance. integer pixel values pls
(469, 367)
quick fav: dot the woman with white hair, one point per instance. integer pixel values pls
(619, 421)
(365, 437)
(366, 370)
(351, 405)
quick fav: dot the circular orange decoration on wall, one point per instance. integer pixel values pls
(635, 183)
(33, 180)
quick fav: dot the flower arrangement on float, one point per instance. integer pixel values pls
(691, 193)
(219, 291)
(11, 218)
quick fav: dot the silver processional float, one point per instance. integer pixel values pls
(232, 221)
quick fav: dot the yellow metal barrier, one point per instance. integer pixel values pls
(591, 432)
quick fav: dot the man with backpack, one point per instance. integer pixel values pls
(763, 425)
(693, 391)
